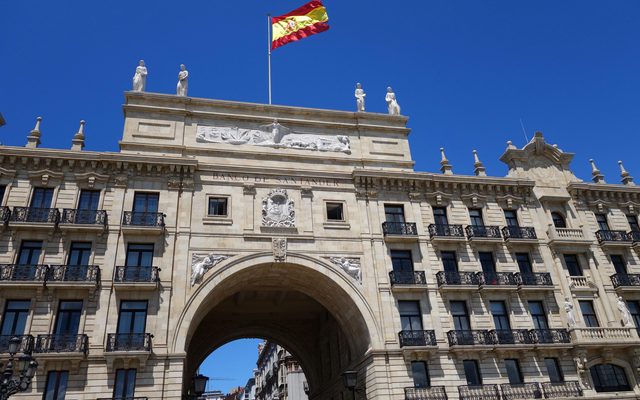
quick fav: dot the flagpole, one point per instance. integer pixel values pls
(269, 51)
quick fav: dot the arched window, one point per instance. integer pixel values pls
(609, 378)
(558, 220)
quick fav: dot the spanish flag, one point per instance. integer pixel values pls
(300, 23)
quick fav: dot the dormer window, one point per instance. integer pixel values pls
(558, 220)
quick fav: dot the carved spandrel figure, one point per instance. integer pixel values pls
(571, 316)
(360, 95)
(200, 265)
(140, 77)
(624, 312)
(183, 81)
(392, 102)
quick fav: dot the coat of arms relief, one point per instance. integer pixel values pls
(278, 210)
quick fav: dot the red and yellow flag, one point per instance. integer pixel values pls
(300, 23)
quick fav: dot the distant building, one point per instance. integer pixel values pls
(235, 394)
(279, 375)
(250, 388)
(213, 395)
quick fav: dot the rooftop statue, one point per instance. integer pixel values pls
(360, 94)
(140, 77)
(183, 82)
(392, 102)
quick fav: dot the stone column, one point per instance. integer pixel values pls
(249, 202)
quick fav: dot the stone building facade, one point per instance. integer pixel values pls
(278, 375)
(215, 221)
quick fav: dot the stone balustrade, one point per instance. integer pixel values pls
(604, 335)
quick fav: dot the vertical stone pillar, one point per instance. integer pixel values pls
(307, 209)
(249, 202)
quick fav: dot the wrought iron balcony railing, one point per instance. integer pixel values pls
(407, 278)
(497, 278)
(417, 338)
(511, 336)
(73, 273)
(134, 274)
(519, 232)
(605, 236)
(26, 343)
(534, 279)
(84, 217)
(23, 273)
(550, 336)
(129, 342)
(425, 393)
(399, 228)
(556, 390)
(129, 398)
(149, 219)
(62, 344)
(635, 236)
(521, 391)
(483, 231)
(443, 231)
(479, 392)
(457, 278)
(619, 280)
(470, 338)
(29, 214)
(5, 215)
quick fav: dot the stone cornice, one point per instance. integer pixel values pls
(604, 192)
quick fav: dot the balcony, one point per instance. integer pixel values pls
(613, 239)
(561, 390)
(549, 336)
(457, 280)
(126, 342)
(535, 281)
(26, 343)
(519, 234)
(446, 233)
(83, 220)
(497, 280)
(407, 278)
(610, 337)
(136, 278)
(635, 237)
(479, 392)
(62, 344)
(399, 231)
(28, 217)
(521, 391)
(72, 276)
(568, 238)
(147, 223)
(582, 283)
(625, 282)
(510, 336)
(5, 215)
(483, 234)
(23, 275)
(417, 338)
(470, 338)
(426, 393)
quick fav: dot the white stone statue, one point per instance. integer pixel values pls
(350, 265)
(392, 102)
(201, 264)
(140, 77)
(624, 312)
(360, 95)
(183, 81)
(571, 316)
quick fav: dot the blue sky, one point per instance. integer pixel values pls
(465, 71)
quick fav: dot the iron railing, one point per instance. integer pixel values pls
(399, 228)
(479, 392)
(150, 219)
(534, 279)
(407, 278)
(62, 344)
(521, 391)
(29, 214)
(555, 390)
(83, 217)
(483, 231)
(73, 273)
(23, 273)
(437, 230)
(497, 278)
(470, 337)
(26, 343)
(550, 336)
(519, 232)
(635, 236)
(612, 236)
(5, 215)
(625, 280)
(417, 338)
(134, 274)
(129, 342)
(126, 398)
(511, 336)
(456, 278)
(425, 393)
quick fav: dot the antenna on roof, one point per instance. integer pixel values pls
(526, 138)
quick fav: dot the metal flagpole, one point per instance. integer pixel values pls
(269, 51)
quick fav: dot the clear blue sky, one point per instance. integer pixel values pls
(465, 71)
(231, 365)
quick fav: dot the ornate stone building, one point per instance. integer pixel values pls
(278, 375)
(123, 271)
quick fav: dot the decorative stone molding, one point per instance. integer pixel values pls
(349, 265)
(474, 200)
(439, 198)
(631, 206)
(249, 190)
(307, 192)
(278, 210)
(45, 177)
(510, 202)
(279, 247)
(91, 180)
(200, 264)
(121, 180)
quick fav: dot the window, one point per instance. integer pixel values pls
(632, 219)
(218, 206)
(573, 265)
(420, 374)
(68, 319)
(14, 319)
(138, 262)
(609, 378)
(588, 313)
(132, 317)
(440, 216)
(41, 197)
(401, 261)
(124, 386)
(511, 217)
(3, 189)
(619, 264)
(601, 219)
(634, 310)
(461, 321)
(472, 372)
(335, 212)
(476, 217)
(410, 315)
(558, 220)
(538, 315)
(145, 209)
(449, 261)
(500, 315)
(79, 253)
(394, 213)
(524, 263)
(89, 200)
(487, 262)
(513, 371)
(29, 252)
(553, 370)
(56, 385)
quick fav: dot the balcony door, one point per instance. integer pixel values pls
(132, 323)
(28, 258)
(87, 207)
(634, 309)
(67, 324)
(124, 386)
(440, 216)
(461, 320)
(601, 219)
(619, 264)
(138, 263)
(511, 217)
(402, 263)
(476, 217)
(420, 374)
(633, 223)
(472, 372)
(500, 315)
(449, 261)
(145, 209)
(14, 321)
(394, 213)
(41, 198)
(524, 263)
(536, 309)
(410, 315)
(573, 265)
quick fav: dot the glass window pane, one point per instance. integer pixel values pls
(449, 261)
(558, 220)
(553, 370)
(14, 319)
(513, 371)
(440, 216)
(401, 260)
(511, 218)
(335, 212)
(41, 198)
(588, 313)
(89, 200)
(394, 213)
(420, 374)
(524, 263)
(487, 262)
(472, 372)
(573, 265)
(619, 264)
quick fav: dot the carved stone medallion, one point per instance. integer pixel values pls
(278, 210)
(279, 246)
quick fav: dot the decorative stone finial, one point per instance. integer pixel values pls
(33, 140)
(510, 145)
(478, 167)
(78, 139)
(445, 166)
(627, 179)
(597, 177)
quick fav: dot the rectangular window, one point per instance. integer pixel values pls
(440, 216)
(601, 219)
(217, 206)
(538, 315)
(14, 319)
(89, 200)
(634, 309)
(619, 264)
(472, 372)
(132, 317)
(394, 213)
(410, 315)
(487, 262)
(68, 318)
(29, 252)
(124, 386)
(139, 255)
(3, 189)
(335, 212)
(500, 315)
(449, 261)
(79, 253)
(573, 265)
(524, 263)
(145, 202)
(461, 321)
(633, 223)
(401, 261)
(511, 217)
(553, 370)
(476, 217)
(513, 371)
(41, 197)
(420, 374)
(588, 313)
(56, 385)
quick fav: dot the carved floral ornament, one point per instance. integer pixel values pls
(278, 210)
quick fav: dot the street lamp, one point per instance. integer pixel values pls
(200, 384)
(19, 379)
(350, 379)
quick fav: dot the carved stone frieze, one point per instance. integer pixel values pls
(279, 247)
(200, 264)
(278, 210)
(349, 265)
